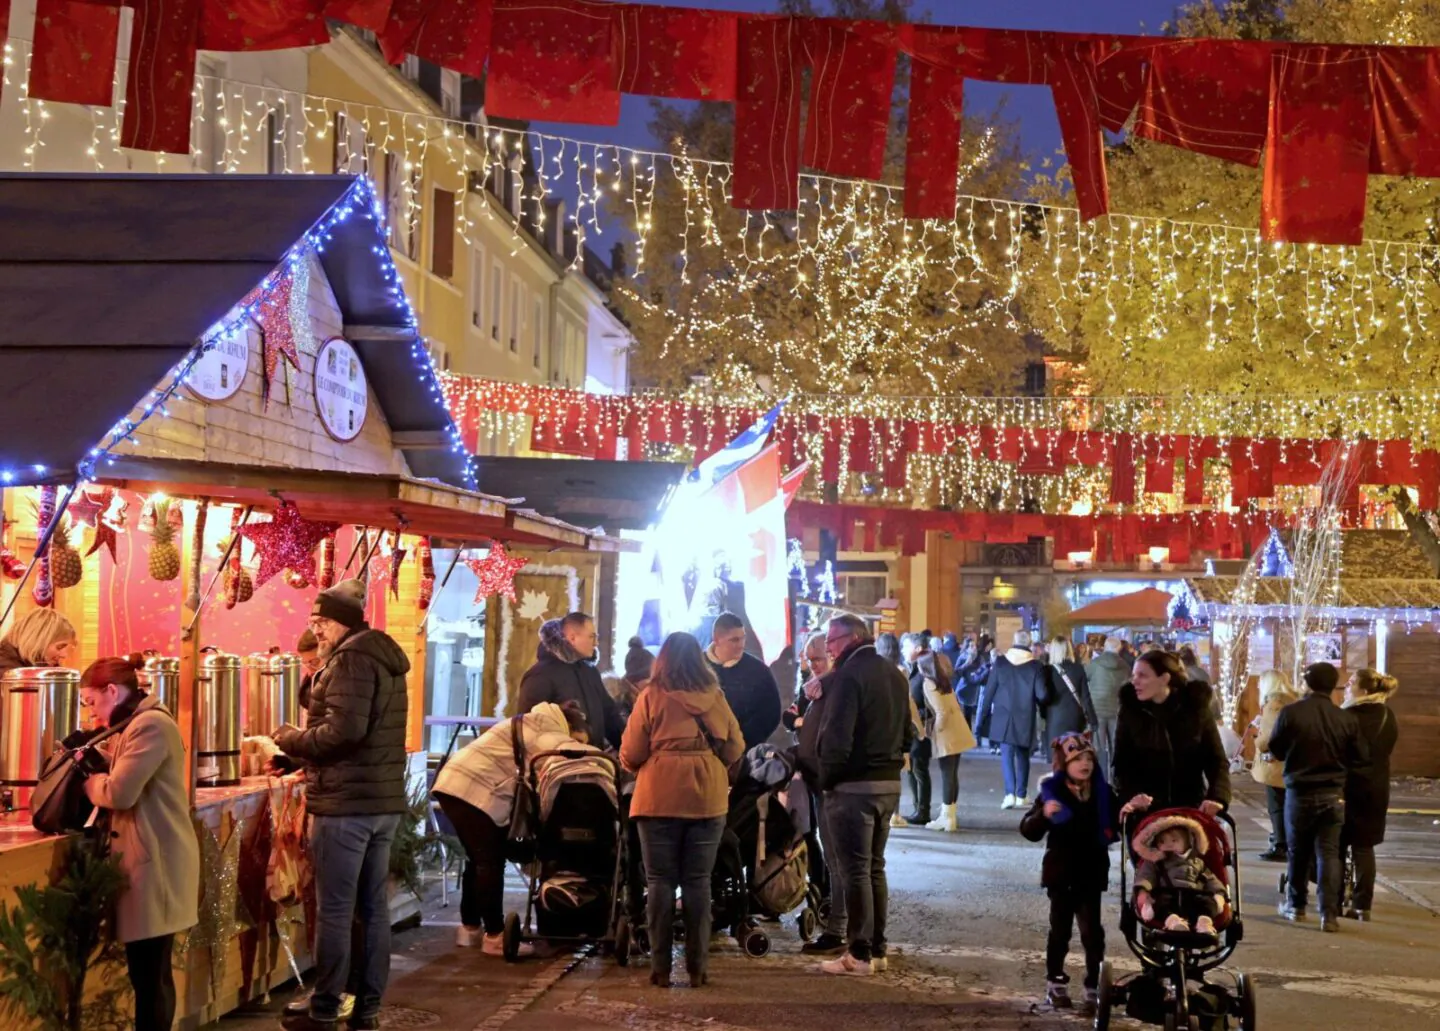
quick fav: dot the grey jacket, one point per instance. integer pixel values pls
(1107, 674)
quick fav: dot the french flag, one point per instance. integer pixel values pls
(736, 453)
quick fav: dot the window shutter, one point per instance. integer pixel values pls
(442, 248)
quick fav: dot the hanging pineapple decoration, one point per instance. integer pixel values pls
(164, 555)
(65, 568)
(238, 585)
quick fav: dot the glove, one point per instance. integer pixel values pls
(92, 761)
(79, 738)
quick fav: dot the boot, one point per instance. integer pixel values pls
(947, 821)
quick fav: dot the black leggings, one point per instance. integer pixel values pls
(482, 892)
(153, 979)
(950, 778)
(1068, 907)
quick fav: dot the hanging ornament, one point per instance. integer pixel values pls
(197, 546)
(44, 590)
(297, 579)
(239, 587)
(10, 566)
(164, 555)
(286, 542)
(109, 520)
(397, 558)
(90, 503)
(427, 575)
(326, 579)
(65, 567)
(496, 573)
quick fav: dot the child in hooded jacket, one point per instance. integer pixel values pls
(1174, 886)
(1077, 813)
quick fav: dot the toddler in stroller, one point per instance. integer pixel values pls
(1174, 888)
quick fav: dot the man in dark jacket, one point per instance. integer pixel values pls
(564, 671)
(863, 740)
(353, 751)
(1319, 743)
(1009, 714)
(747, 682)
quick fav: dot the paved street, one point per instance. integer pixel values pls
(968, 917)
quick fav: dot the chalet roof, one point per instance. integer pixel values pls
(1356, 593)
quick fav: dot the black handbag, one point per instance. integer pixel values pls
(59, 802)
(525, 813)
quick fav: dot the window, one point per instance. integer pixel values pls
(861, 590)
(517, 314)
(450, 93)
(537, 326)
(277, 129)
(477, 288)
(442, 230)
(398, 187)
(497, 296)
(410, 67)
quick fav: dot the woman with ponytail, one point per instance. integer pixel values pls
(1367, 788)
(145, 823)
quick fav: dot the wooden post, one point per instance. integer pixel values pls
(189, 715)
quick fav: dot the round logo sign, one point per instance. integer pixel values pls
(341, 397)
(218, 374)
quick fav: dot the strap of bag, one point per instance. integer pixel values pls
(709, 737)
(108, 732)
(517, 744)
(1069, 684)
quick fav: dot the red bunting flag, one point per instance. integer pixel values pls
(161, 80)
(767, 115)
(73, 59)
(553, 60)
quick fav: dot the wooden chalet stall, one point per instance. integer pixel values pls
(318, 404)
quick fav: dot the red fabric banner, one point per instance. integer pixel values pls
(1122, 471)
(73, 59)
(553, 60)
(4, 36)
(1159, 465)
(231, 25)
(456, 34)
(851, 84)
(403, 22)
(1074, 85)
(932, 141)
(1317, 152)
(1406, 96)
(674, 52)
(363, 14)
(160, 85)
(767, 115)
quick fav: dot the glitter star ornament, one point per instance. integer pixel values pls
(496, 573)
(286, 542)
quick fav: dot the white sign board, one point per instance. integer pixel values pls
(341, 397)
(218, 373)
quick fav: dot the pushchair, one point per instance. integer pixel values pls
(763, 865)
(1171, 988)
(575, 867)
(1347, 879)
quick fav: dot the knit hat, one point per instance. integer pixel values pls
(1068, 747)
(1322, 678)
(638, 661)
(344, 603)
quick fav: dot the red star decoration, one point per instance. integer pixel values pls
(496, 573)
(89, 506)
(277, 336)
(286, 542)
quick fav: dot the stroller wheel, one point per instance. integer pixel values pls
(510, 941)
(1284, 882)
(1104, 996)
(756, 943)
(622, 941)
(1245, 989)
(807, 923)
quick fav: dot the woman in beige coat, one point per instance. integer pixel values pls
(1275, 694)
(150, 831)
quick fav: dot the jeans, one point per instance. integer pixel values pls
(153, 978)
(1275, 802)
(950, 779)
(1105, 744)
(1363, 856)
(919, 777)
(482, 892)
(351, 855)
(1070, 906)
(1015, 760)
(838, 923)
(679, 853)
(1312, 825)
(860, 827)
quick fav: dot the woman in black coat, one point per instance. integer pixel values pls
(1367, 789)
(1167, 743)
(1068, 709)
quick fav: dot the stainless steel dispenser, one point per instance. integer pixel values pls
(161, 678)
(39, 708)
(272, 692)
(217, 698)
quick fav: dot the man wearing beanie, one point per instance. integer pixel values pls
(353, 751)
(1319, 743)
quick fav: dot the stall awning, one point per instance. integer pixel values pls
(107, 281)
(426, 506)
(1359, 597)
(1147, 607)
(615, 495)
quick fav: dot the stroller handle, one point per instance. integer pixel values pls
(573, 753)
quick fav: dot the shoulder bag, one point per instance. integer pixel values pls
(59, 802)
(1070, 685)
(525, 812)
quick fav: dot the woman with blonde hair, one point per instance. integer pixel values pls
(1275, 693)
(41, 637)
(1068, 708)
(1367, 789)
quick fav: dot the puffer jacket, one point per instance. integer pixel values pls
(680, 745)
(1171, 751)
(483, 772)
(1107, 673)
(561, 674)
(353, 744)
(1011, 702)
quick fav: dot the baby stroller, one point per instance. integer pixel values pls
(1347, 879)
(1171, 988)
(575, 874)
(762, 868)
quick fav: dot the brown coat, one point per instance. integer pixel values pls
(151, 833)
(678, 774)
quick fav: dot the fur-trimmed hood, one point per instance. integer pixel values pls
(1144, 842)
(1196, 696)
(553, 644)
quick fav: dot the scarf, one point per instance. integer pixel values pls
(1369, 699)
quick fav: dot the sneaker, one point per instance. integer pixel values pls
(1329, 924)
(848, 965)
(494, 945)
(1275, 855)
(879, 958)
(825, 945)
(1176, 922)
(1295, 916)
(1058, 995)
(468, 937)
(305, 1022)
(1008, 802)
(896, 820)
(300, 1005)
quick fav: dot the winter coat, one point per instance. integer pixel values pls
(945, 724)
(1319, 743)
(1170, 751)
(1168, 873)
(867, 728)
(1106, 674)
(483, 772)
(753, 695)
(950, 648)
(1064, 714)
(1077, 849)
(151, 836)
(811, 714)
(561, 674)
(681, 770)
(10, 657)
(353, 744)
(1367, 790)
(970, 678)
(1012, 699)
(1267, 769)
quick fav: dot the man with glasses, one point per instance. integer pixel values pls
(353, 752)
(865, 734)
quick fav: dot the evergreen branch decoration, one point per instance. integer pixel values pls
(415, 846)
